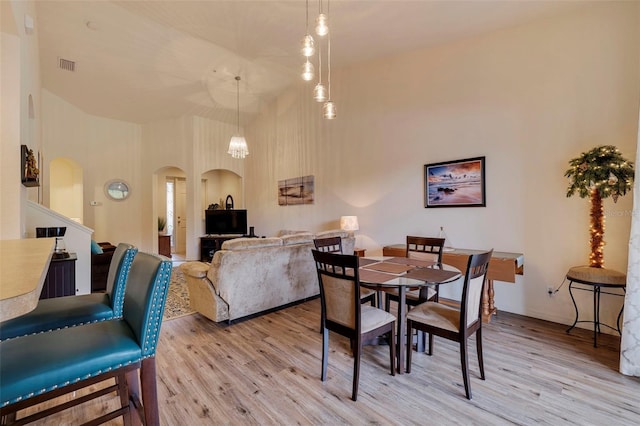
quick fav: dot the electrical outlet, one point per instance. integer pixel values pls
(550, 290)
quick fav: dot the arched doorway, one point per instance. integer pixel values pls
(171, 208)
(217, 185)
(66, 188)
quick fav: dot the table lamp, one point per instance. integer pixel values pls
(349, 223)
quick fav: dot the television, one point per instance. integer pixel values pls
(225, 222)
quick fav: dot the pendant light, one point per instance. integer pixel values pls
(322, 22)
(307, 46)
(329, 108)
(238, 145)
(320, 92)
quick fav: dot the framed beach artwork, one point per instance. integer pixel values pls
(294, 191)
(458, 183)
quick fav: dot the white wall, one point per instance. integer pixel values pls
(20, 74)
(10, 186)
(529, 99)
(105, 149)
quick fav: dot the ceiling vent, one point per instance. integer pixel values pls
(67, 65)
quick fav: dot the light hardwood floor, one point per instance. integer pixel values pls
(266, 371)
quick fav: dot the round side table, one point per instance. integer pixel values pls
(588, 278)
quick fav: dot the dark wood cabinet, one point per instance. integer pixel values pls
(61, 278)
(210, 245)
(164, 245)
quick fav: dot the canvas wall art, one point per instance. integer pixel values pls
(294, 191)
(458, 183)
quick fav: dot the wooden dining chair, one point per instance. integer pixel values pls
(453, 323)
(422, 248)
(334, 245)
(343, 313)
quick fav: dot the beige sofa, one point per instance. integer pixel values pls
(254, 275)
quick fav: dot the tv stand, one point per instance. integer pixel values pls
(210, 244)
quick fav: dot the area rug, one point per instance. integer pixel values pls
(178, 297)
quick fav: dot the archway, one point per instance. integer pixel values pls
(217, 185)
(66, 188)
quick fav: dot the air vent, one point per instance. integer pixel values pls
(67, 65)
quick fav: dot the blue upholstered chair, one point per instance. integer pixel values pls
(70, 311)
(40, 367)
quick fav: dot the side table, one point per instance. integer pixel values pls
(587, 278)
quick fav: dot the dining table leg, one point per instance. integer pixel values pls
(402, 307)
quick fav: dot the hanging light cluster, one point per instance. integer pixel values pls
(321, 93)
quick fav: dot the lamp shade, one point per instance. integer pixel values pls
(349, 223)
(238, 147)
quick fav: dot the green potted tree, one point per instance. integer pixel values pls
(162, 222)
(598, 174)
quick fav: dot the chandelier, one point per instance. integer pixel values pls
(238, 145)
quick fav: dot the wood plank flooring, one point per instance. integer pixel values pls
(266, 371)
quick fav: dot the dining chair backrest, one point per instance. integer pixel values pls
(145, 298)
(471, 306)
(118, 275)
(339, 288)
(425, 248)
(329, 245)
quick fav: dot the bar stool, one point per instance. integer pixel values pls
(595, 279)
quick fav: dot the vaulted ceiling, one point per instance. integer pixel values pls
(143, 61)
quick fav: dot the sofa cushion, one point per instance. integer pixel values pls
(195, 269)
(250, 243)
(302, 238)
(333, 233)
(284, 232)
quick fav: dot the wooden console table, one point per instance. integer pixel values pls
(502, 267)
(164, 245)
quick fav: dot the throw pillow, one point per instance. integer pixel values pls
(95, 248)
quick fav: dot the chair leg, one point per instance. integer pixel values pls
(464, 360)
(392, 350)
(430, 345)
(409, 349)
(325, 353)
(479, 349)
(356, 369)
(387, 303)
(149, 392)
(123, 393)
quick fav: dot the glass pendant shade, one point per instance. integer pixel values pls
(307, 46)
(238, 147)
(307, 71)
(329, 110)
(320, 93)
(322, 27)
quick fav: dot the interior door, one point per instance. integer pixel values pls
(181, 215)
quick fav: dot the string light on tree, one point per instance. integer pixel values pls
(598, 174)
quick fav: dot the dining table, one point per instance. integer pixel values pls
(404, 274)
(24, 264)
